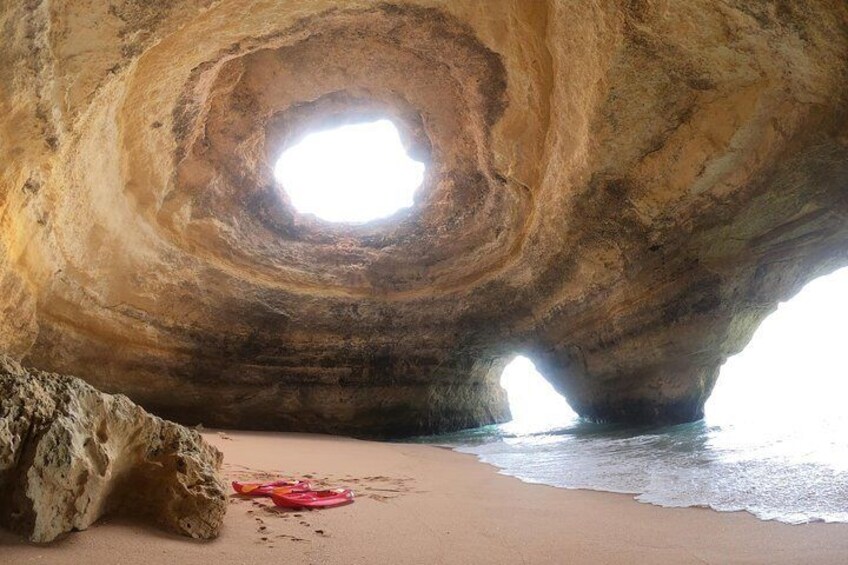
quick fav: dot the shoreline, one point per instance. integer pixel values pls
(633, 496)
(419, 503)
(823, 502)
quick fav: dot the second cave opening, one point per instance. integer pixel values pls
(535, 405)
(772, 443)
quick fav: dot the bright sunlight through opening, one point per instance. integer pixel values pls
(790, 384)
(353, 173)
(535, 405)
(783, 397)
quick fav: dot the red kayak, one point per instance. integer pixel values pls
(268, 489)
(313, 499)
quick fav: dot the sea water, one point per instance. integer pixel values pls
(774, 441)
(699, 464)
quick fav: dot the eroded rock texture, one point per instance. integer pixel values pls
(70, 454)
(622, 189)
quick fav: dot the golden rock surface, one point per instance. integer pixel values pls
(621, 190)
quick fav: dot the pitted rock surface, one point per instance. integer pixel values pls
(70, 454)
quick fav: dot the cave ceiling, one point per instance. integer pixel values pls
(621, 190)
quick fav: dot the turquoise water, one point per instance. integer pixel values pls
(774, 441)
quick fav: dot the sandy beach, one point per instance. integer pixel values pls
(424, 504)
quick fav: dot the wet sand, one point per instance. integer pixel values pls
(423, 504)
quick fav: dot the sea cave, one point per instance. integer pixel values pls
(239, 220)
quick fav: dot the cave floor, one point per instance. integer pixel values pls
(422, 504)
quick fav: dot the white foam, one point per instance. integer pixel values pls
(678, 467)
(775, 442)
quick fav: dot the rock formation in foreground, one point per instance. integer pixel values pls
(620, 189)
(70, 454)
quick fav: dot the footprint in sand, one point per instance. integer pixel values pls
(292, 538)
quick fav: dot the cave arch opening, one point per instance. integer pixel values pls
(352, 173)
(534, 403)
(784, 394)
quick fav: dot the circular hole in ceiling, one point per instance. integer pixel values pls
(353, 173)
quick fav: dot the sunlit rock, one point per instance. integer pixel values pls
(620, 190)
(70, 454)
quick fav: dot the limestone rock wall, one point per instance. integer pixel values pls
(622, 189)
(70, 454)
